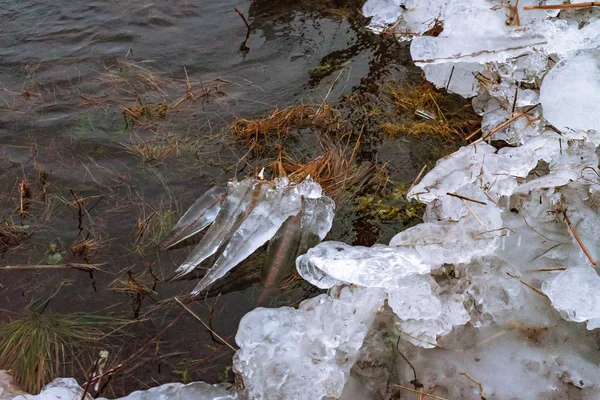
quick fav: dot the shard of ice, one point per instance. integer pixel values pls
(240, 199)
(201, 214)
(260, 225)
(246, 216)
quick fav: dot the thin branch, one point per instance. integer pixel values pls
(563, 6)
(81, 267)
(417, 179)
(502, 125)
(473, 212)
(469, 377)
(528, 285)
(548, 269)
(204, 323)
(467, 198)
(431, 396)
(578, 239)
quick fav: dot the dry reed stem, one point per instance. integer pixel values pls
(528, 285)
(204, 323)
(429, 395)
(335, 170)
(548, 269)
(82, 267)
(469, 377)
(417, 179)
(280, 122)
(501, 126)
(563, 6)
(458, 196)
(578, 239)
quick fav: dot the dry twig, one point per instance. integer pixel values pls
(578, 239)
(563, 6)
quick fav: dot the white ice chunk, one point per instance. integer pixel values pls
(377, 266)
(575, 293)
(382, 13)
(570, 93)
(69, 389)
(190, 391)
(305, 353)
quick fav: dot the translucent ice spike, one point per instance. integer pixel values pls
(201, 214)
(317, 217)
(261, 225)
(239, 199)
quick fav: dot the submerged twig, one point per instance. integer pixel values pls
(204, 323)
(528, 285)
(431, 396)
(469, 377)
(415, 382)
(81, 267)
(243, 47)
(502, 125)
(548, 269)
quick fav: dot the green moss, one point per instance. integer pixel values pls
(391, 206)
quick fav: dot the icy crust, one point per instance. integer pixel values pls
(495, 295)
(69, 389)
(305, 353)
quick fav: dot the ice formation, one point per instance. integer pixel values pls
(69, 389)
(487, 295)
(497, 294)
(246, 215)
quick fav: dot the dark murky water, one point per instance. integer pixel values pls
(67, 70)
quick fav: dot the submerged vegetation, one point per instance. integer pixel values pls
(428, 111)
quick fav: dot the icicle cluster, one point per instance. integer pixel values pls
(247, 214)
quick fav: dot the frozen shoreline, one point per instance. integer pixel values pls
(496, 294)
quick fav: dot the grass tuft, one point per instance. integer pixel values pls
(429, 112)
(39, 346)
(258, 132)
(336, 170)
